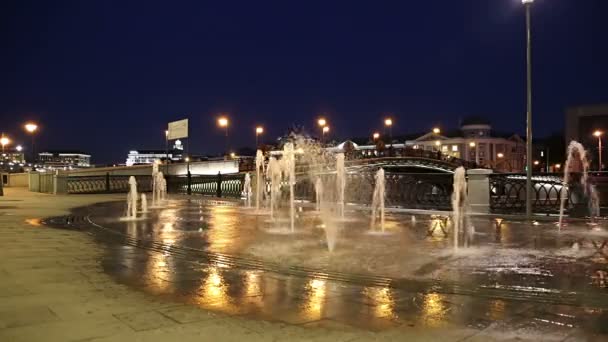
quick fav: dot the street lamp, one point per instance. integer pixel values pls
(527, 4)
(258, 130)
(4, 141)
(376, 136)
(31, 128)
(388, 122)
(322, 122)
(436, 130)
(598, 134)
(223, 122)
(19, 148)
(166, 152)
(324, 131)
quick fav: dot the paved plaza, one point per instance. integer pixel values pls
(70, 285)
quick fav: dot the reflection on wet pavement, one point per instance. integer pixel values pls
(507, 277)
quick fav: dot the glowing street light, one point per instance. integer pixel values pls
(598, 134)
(223, 122)
(322, 122)
(436, 130)
(31, 128)
(388, 122)
(376, 136)
(258, 130)
(19, 148)
(325, 131)
(4, 141)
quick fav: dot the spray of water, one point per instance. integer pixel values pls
(575, 152)
(144, 203)
(378, 200)
(259, 170)
(340, 182)
(247, 190)
(459, 206)
(273, 172)
(132, 199)
(318, 192)
(289, 169)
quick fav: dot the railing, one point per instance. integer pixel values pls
(406, 190)
(508, 193)
(207, 185)
(106, 184)
(413, 153)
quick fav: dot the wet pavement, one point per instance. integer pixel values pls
(511, 280)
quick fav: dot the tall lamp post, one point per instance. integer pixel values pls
(322, 124)
(4, 141)
(325, 131)
(31, 128)
(166, 152)
(258, 130)
(598, 134)
(388, 122)
(223, 122)
(528, 4)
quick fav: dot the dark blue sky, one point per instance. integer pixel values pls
(106, 76)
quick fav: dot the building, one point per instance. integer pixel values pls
(142, 157)
(12, 160)
(582, 122)
(475, 141)
(64, 159)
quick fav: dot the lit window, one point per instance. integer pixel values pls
(454, 148)
(444, 148)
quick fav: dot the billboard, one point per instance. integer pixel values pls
(178, 129)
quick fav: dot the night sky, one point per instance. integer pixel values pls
(106, 76)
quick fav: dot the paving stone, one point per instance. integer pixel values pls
(146, 320)
(22, 316)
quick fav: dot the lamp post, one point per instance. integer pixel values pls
(598, 134)
(166, 152)
(324, 131)
(4, 141)
(223, 122)
(388, 122)
(31, 128)
(472, 144)
(258, 130)
(528, 4)
(322, 124)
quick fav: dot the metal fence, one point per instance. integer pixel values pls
(508, 193)
(106, 184)
(207, 185)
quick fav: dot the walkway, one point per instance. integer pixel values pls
(53, 288)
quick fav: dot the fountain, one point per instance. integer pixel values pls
(154, 183)
(289, 169)
(378, 200)
(575, 152)
(259, 170)
(318, 192)
(132, 200)
(247, 190)
(144, 203)
(340, 182)
(459, 206)
(273, 172)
